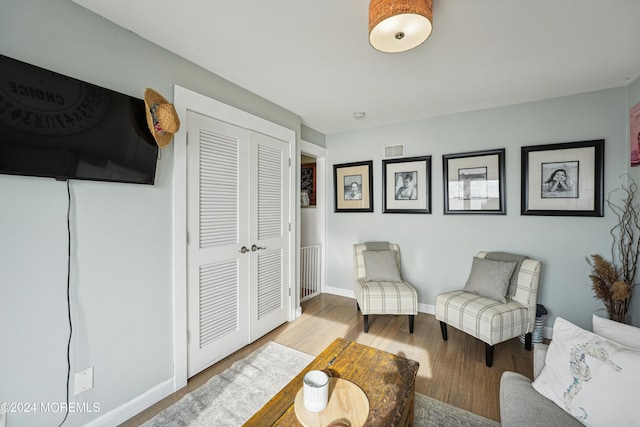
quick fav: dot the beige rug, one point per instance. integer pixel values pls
(233, 396)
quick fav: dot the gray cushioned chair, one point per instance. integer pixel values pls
(490, 320)
(381, 290)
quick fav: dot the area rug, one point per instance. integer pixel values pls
(233, 396)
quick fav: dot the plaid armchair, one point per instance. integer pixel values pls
(490, 320)
(382, 291)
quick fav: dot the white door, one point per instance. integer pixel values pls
(269, 234)
(238, 248)
(217, 266)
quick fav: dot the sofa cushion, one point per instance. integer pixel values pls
(381, 266)
(490, 278)
(386, 297)
(484, 318)
(521, 405)
(592, 378)
(615, 331)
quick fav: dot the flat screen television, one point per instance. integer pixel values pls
(58, 127)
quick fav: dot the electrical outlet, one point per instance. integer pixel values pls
(3, 419)
(83, 381)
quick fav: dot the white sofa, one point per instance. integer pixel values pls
(598, 384)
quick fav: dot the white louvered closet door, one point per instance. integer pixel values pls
(238, 249)
(269, 233)
(217, 219)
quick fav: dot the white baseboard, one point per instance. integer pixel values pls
(348, 293)
(134, 406)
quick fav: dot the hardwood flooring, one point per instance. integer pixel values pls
(453, 371)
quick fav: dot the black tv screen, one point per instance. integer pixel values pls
(56, 126)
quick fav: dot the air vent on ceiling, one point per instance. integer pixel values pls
(393, 151)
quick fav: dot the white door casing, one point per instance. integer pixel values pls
(186, 100)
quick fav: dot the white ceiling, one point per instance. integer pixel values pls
(313, 57)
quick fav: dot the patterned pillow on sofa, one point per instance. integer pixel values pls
(590, 377)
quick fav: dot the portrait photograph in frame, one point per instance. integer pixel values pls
(406, 185)
(564, 179)
(474, 182)
(353, 187)
(634, 138)
(308, 181)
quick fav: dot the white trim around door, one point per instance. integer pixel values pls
(185, 99)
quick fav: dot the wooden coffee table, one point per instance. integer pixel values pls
(387, 380)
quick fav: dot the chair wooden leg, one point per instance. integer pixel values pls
(527, 341)
(411, 321)
(443, 329)
(366, 323)
(488, 352)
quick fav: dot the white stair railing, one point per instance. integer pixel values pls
(310, 271)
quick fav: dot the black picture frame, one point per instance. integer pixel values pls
(353, 187)
(563, 179)
(406, 185)
(474, 182)
(308, 181)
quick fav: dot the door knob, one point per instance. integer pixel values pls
(244, 250)
(255, 248)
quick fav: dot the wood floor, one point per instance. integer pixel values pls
(453, 371)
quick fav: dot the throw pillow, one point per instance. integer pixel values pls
(381, 266)
(618, 332)
(490, 278)
(506, 256)
(592, 378)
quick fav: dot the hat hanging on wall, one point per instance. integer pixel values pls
(162, 118)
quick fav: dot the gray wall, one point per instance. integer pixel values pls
(121, 286)
(121, 271)
(310, 135)
(437, 249)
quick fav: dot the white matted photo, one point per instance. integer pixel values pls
(353, 187)
(474, 182)
(563, 179)
(407, 185)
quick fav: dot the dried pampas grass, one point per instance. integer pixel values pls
(609, 288)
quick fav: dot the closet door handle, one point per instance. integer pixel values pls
(243, 250)
(256, 248)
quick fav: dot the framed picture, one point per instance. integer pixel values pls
(308, 181)
(634, 139)
(563, 179)
(406, 185)
(474, 182)
(353, 187)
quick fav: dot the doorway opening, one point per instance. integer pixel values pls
(312, 221)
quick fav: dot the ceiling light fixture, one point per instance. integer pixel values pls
(399, 25)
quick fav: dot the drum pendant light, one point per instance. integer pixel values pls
(399, 25)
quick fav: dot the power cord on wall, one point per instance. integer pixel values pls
(68, 299)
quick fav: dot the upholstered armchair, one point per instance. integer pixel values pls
(378, 284)
(497, 303)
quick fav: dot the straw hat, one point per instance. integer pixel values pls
(162, 118)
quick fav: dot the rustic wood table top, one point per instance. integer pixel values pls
(387, 380)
